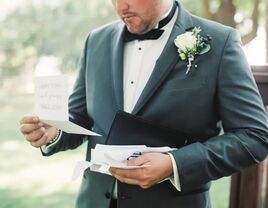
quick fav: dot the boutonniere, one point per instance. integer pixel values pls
(190, 44)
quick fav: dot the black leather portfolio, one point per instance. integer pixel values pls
(128, 129)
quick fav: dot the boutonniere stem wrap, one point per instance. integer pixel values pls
(190, 44)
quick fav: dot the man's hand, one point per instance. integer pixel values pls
(36, 132)
(160, 167)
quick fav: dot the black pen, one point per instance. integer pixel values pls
(134, 155)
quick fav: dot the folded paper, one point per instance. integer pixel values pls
(105, 156)
(51, 104)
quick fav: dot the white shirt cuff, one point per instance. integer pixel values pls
(175, 180)
(46, 148)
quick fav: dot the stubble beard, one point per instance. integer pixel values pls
(138, 28)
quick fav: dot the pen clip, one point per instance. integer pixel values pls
(134, 155)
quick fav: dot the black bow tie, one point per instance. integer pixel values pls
(153, 34)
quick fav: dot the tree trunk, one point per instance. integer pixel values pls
(255, 20)
(226, 13)
(207, 12)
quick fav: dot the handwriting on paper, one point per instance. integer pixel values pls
(51, 97)
(51, 104)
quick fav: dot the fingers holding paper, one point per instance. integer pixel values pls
(158, 167)
(36, 132)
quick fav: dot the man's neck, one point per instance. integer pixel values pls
(166, 8)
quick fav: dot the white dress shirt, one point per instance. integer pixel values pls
(139, 61)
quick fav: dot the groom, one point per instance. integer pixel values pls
(197, 84)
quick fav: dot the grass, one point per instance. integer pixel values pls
(28, 180)
(220, 192)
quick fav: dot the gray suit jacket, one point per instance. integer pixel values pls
(221, 90)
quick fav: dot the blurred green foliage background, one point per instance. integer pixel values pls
(31, 29)
(37, 28)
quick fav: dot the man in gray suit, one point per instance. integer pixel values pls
(173, 69)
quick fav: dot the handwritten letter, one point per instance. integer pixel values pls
(51, 104)
(51, 97)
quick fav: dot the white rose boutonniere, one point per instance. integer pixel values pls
(191, 44)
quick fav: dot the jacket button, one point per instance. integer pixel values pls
(123, 197)
(108, 195)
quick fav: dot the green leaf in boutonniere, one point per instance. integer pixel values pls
(190, 44)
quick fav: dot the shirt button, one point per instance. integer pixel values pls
(132, 82)
(139, 49)
(108, 195)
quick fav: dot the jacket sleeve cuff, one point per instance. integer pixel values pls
(47, 147)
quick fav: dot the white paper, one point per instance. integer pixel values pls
(51, 104)
(122, 154)
(98, 154)
(51, 97)
(116, 147)
(80, 167)
(105, 156)
(70, 127)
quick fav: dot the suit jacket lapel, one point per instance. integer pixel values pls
(167, 60)
(117, 64)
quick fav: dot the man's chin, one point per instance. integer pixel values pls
(136, 30)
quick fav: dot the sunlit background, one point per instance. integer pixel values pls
(46, 37)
